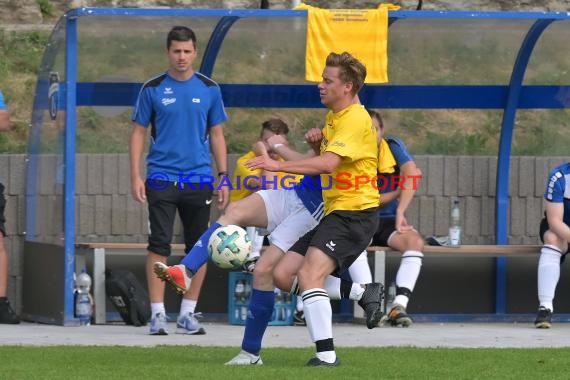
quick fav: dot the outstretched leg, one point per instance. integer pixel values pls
(248, 211)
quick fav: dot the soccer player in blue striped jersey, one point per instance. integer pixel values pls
(555, 234)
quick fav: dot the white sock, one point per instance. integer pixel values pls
(187, 306)
(318, 314)
(359, 270)
(327, 356)
(356, 292)
(256, 242)
(408, 274)
(401, 300)
(299, 306)
(332, 286)
(157, 308)
(548, 275)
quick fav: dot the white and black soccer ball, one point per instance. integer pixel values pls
(229, 247)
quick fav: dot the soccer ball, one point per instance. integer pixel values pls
(229, 247)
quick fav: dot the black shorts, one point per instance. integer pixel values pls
(2, 207)
(193, 206)
(545, 227)
(386, 227)
(342, 235)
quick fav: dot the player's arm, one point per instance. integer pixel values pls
(323, 164)
(388, 197)
(220, 153)
(4, 120)
(280, 145)
(260, 149)
(136, 147)
(410, 175)
(314, 137)
(555, 217)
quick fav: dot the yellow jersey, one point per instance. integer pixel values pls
(361, 32)
(351, 135)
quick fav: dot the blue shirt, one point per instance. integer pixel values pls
(180, 114)
(558, 189)
(386, 182)
(310, 193)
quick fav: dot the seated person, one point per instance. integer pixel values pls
(393, 229)
(555, 234)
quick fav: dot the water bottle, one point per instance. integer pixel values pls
(239, 291)
(278, 306)
(247, 290)
(455, 225)
(390, 297)
(278, 295)
(83, 300)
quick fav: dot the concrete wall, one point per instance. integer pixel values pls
(105, 211)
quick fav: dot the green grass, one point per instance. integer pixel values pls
(191, 362)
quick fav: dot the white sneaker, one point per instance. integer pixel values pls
(245, 358)
(189, 325)
(158, 324)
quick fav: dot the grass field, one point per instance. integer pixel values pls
(192, 362)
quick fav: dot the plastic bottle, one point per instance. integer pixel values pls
(239, 291)
(278, 307)
(83, 300)
(455, 225)
(247, 290)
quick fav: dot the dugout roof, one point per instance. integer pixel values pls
(98, 57)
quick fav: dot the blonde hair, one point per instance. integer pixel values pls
(351, 69)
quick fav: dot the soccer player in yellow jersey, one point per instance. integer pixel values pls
(347, 161)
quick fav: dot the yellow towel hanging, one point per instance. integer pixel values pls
(361, 32)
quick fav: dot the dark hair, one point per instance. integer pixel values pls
(277, 126)
(351, 69)
(180, 33)
(376, 115)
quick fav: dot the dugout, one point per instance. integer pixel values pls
(495, 65)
